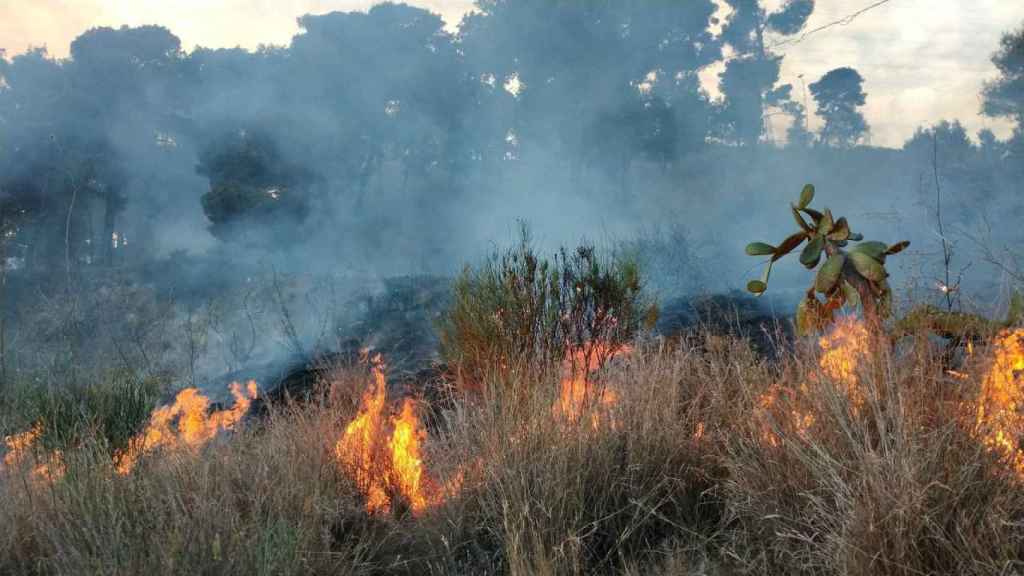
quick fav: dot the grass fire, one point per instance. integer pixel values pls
(512, 288)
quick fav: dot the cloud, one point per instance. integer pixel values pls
(224, 23)
(922, 60)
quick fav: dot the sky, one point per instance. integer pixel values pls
(922, 60)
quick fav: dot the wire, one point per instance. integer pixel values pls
(844, 21)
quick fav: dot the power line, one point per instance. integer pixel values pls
(841, 22)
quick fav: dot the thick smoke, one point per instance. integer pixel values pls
(379, 144)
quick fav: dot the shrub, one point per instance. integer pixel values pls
(517, 306)
(112, 409)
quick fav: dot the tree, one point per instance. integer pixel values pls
(124, 82)
(613, 73)
(255, 195)
(749, 79)
(1004, 96)
(839, 94)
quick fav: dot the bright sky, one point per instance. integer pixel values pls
(923, 60)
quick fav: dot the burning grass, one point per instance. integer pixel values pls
(874, 463)
(185, 424)
(384, 455)
(1000, 412)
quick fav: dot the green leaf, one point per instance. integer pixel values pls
(788, 245)
(806, 196)
(826, 223)
(814, 214)
(868, 267)
(873, 249)
(756, 287)
(897, 248)
(812, 252)
(760, 249)
(841, 231)
(829, 273)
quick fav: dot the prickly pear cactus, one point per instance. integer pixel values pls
(853, 277)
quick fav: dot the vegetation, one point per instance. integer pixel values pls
(518, 307)
(109, 410)
(706, 470)
(173, 220)
(856, 277)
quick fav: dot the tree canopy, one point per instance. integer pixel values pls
(839, 94)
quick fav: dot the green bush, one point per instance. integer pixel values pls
(519, 307)
(113, 408)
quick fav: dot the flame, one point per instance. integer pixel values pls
(19, 447)
(842, 349)
(405, 456)
(358, 446)
(1000, 417)
(195, 426)
(845, 346)
(384, 468)
(50, 470)
(800, 420)
(578, 392)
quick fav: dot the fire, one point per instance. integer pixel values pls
(383, 467)
(801, 421)
(845, 346)
(19, 447)
(52, 469)
(1000, 417)
(842, 349)
(186, 423)
(405, 456)
(577, 388)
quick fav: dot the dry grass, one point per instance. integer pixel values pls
(681, 478)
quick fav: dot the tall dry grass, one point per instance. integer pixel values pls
(691, 472)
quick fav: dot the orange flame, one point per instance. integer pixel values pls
(395, 467)
(845, 346)
(842, 349)
(195, 426)
(405, 456)
(577, 389)
(52, 469)
(1000, 418)
(19, 447)
(800, 420)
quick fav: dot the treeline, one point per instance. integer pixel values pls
(382, 134)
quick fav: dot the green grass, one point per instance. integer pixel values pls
(110, 408)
